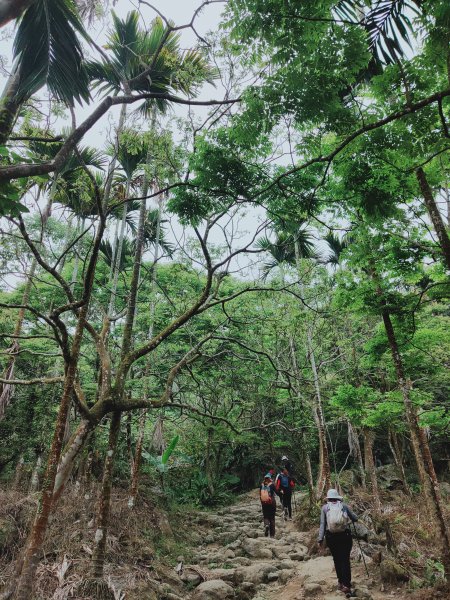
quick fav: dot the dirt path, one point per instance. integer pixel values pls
(236, 560)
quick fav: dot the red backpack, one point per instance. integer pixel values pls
(265, 494)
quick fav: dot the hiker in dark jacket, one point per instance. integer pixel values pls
(335, 518)
(268, 504)
(287, 464)
(284, 486)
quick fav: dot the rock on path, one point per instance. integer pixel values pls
(236, 560)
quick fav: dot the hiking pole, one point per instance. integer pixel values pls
(360, 549)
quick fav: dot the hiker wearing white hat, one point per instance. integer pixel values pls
(286, 464)
(335, 519)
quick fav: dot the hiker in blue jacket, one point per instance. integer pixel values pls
(284, 485)
(335, 518)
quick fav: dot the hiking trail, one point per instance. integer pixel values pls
(235, 560)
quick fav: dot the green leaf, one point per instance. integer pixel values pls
(48, 51)
(170, 448)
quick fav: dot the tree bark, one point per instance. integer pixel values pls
(324, 471)
(308, 470)
(304, 447)
(397, 453)
(137, 459)
(355, 449)
(72, 450)
(104, 503)
(9, 104)
(115, 264)
(369, 465)
(36, 538)
(35, 475)
(435, 215)
(18, 473)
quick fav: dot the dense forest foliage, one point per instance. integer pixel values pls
(193, 287)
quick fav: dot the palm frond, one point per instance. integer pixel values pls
(151, 60)
(126, 256)
(47, 51)
(336, 246)
(151, 230)
(387, 23)
(283, 249)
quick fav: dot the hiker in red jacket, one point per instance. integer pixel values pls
(284, 486)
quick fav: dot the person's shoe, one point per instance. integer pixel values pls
(340, 586)
(346, 589)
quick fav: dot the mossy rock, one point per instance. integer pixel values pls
(348, 480)
(393, 572)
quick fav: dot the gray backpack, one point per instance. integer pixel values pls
(337, 518)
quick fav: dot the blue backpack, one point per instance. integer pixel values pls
(284, 480)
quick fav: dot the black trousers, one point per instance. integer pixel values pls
(269, 511)
(286, 500)
(340, 545)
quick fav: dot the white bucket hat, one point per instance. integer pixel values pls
(284, 458)
(333, 495)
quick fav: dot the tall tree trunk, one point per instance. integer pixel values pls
(36, 538)
(308, 470)
(115, 264)
(18, 473)
(137, 459)
(435, 215)
(208, 462)
(134, 487)
(304, 447)
(447, 203)
(355, 449)
(424, 462)
(35, 475)
(71, 451)
(324, 471)
(104, 503)
(397, 453)
(369, 465)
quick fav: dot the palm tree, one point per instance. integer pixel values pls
(47, 51)
(129, 161)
